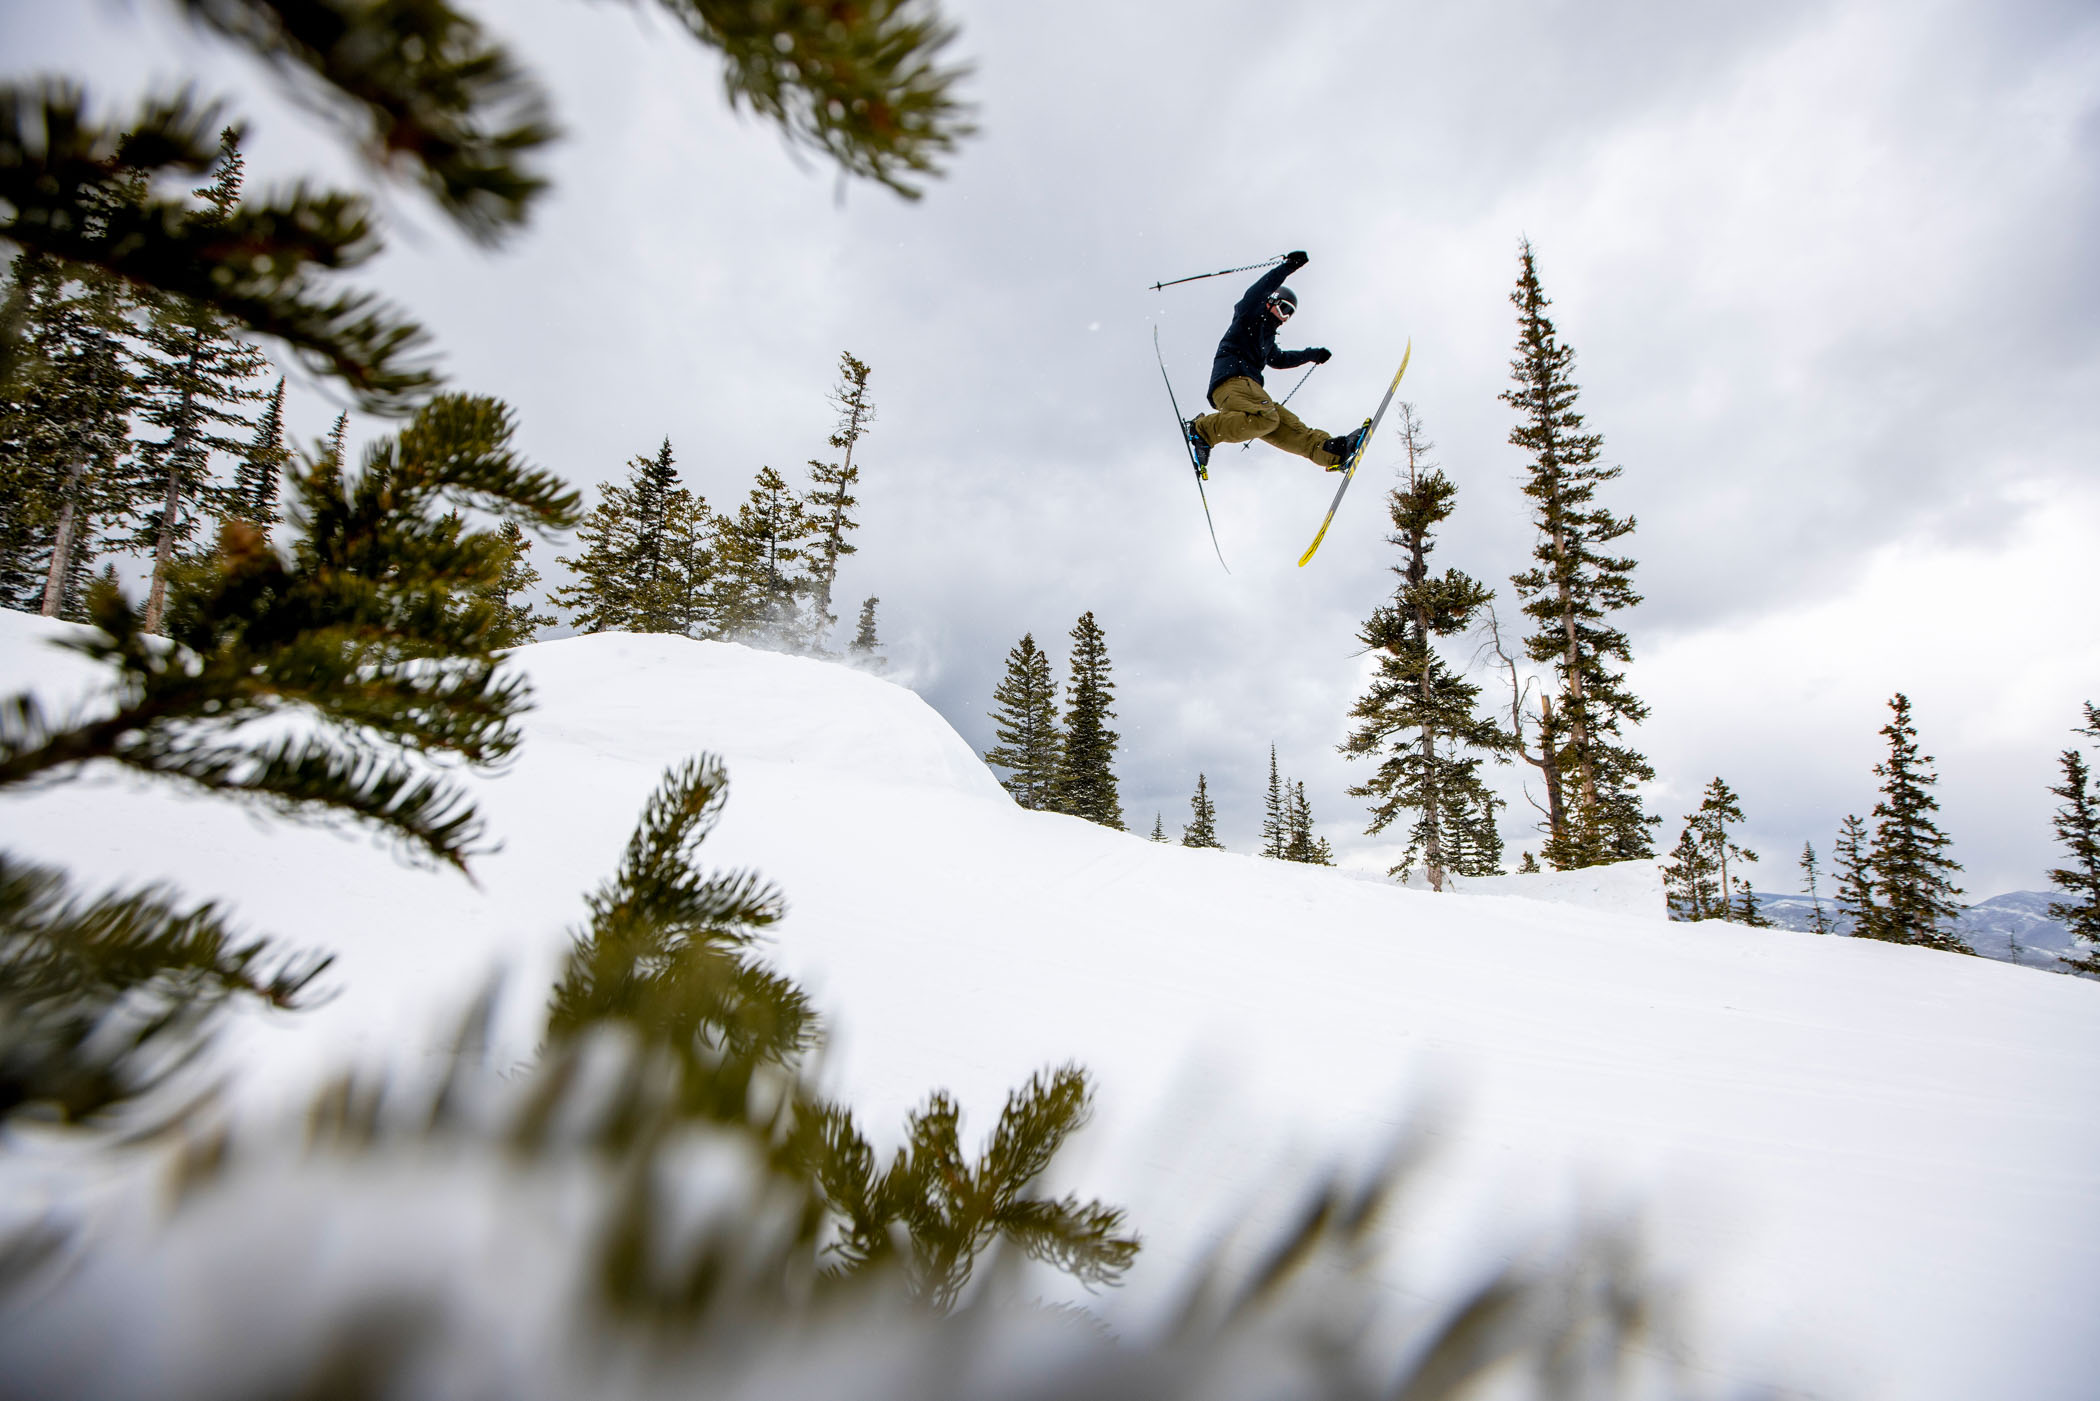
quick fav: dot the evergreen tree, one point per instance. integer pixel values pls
(1698, 877)
(64, 428)
(1086, 775)
(1855, 879)
(2077, 825)
(1418, 713)
(830, 497)
(1475, 843)
(99, 997)
(262, 465)
(1815, 901)
(864, 639)
(1299, 842)
(1159, 827)
(1275, 815)
(195, 375)
(1025, 725)
(1691, 877)
(1719, 808)
(511, 593)
(760, 554)
(1529, 866)
(643, 566)
(1593, 814)
(1914, 897)
(1203, 819)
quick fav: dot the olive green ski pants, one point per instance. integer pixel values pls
(1245, 410)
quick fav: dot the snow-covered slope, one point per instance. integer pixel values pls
(1877, 1169)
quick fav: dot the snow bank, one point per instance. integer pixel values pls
(1878, 1165)
(1625, 887)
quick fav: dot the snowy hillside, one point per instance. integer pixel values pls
(1875, 1170)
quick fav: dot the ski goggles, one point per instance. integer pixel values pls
(1289, 309)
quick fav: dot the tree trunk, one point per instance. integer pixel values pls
(62, 543)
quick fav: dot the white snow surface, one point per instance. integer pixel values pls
(1871, 1171)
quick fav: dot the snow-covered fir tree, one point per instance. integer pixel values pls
(1202, 828)
(1417, 718)
(1025, 725)
(1086, 770)
(1589, 772)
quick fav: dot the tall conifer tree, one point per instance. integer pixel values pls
(1593, 813)
(255, 483)
(1418, 714)
(1025, 725)
(831, 499)
(761, 555)
(1815, 900)
(1854, 896)
(1913, 893)
(1202, 830)
(2077, 825)
(1275, 814)
(1086, 774)
(196, 375)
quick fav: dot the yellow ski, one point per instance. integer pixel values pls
(1355, 458)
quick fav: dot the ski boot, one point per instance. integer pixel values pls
(1198, 449)
(1345, 447)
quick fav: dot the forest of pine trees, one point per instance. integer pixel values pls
(654, 557)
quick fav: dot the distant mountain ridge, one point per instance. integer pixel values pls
(2011, 928)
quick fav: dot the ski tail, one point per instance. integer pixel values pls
(1356, 458)
(1181, 424)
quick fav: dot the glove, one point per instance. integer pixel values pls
(1296, 260)
(1319, 354)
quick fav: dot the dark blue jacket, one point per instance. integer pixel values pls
(1250, 343)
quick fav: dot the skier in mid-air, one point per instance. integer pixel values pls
(1244, 408)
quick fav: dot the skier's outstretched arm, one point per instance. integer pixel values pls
(1269, 282)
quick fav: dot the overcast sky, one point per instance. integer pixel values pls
(1831, 271)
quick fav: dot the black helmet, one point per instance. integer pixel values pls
(1284, 296)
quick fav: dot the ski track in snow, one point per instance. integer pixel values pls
(1875, 1169)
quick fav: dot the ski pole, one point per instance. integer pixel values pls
(1288, 397)
(1226, 272)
